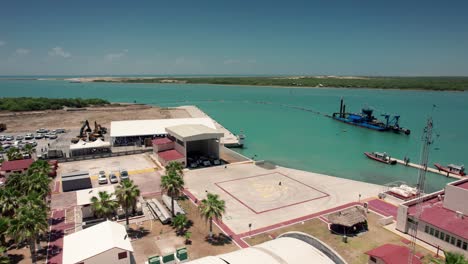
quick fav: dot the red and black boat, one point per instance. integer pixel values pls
(452, 168)
(381, 157)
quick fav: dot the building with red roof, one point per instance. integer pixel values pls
(162, 144)
(9, 167)
(391, 254)
(443, 218)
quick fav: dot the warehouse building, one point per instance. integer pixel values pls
(138, 132)
(188, 144)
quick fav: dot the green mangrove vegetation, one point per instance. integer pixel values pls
(31, 104)
(419, 83)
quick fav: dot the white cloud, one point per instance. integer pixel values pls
(2, 43)
(22, 51)
(116, 56)
(59, 51)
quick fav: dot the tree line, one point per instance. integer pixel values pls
(421, 83)
(41, 103)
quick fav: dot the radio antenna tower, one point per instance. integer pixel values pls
(413, 229)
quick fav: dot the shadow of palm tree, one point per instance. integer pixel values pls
(15, 258)
(219, 239)
(137, 233)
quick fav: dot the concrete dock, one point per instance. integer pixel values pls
(418, 166)
(229, 139)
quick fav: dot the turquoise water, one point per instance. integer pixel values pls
(297, 138)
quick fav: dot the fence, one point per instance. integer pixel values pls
(104, 155)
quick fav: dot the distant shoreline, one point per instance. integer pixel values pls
(458, 84)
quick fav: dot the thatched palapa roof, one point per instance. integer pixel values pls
(348, 217)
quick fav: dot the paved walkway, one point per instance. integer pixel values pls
(239, 238)
(383, 208)
(56, 234)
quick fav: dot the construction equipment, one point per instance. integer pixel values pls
(84, 130)
(413, 230)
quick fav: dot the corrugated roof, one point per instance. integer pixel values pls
(169, 155)
(95, 240)
(154, 126)
(189, 132)
(392, 254)
(15, 165)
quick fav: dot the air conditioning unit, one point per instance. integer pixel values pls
(459, 214)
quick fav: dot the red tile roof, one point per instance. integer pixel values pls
(392, 254)
(435, 214)
(463, 185)
(16, 165)
(161, 141)
(169, 155)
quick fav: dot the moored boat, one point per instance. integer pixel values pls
(381, 157)
(452, 168)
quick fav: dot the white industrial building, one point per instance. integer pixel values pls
(131, 132)
(289, 248)
(107, 242)
(443, 221)
(188, 144)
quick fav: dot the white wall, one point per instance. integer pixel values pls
(455, 199)
(110, 256)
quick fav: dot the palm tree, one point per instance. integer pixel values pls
(180, 222)
(127, 194)
(3, 259)
(40, 166)
(36, 181)
(454, 258)
(173, 185)
(29, 149)
(14, 154)
(4, 224)
(28, 224)
(175, 167)
(212, 207)
(104, 206)
(15, 181)
(8, 200)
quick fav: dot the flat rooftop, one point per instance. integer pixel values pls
(130, 128)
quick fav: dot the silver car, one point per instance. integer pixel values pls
(102, 178)
(113, 178)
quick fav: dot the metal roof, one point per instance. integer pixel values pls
(130, 128)
(95, 240)
(193, 132)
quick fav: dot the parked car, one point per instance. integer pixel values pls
(60, 130)
(19, 137)
(123, 174)
(102, 178)
(9, 138)
(2, 138)
(51, 136)
(29, 136)
(42, 131)
(32, 143)
(113, 178)
(39, 136)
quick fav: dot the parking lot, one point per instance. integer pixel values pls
(141, 169)
(42, 142)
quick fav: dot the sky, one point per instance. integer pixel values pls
(152, 37)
